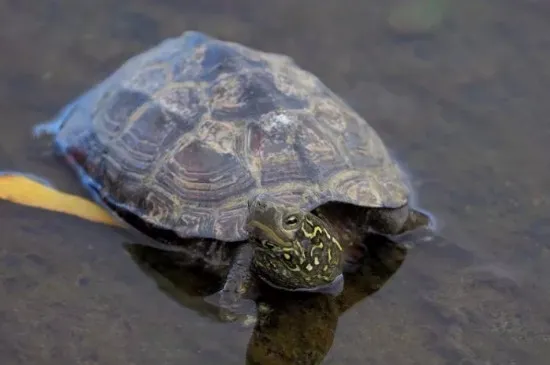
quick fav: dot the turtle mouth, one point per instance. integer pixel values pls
(263, 234)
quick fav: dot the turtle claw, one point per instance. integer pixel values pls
(232, 307)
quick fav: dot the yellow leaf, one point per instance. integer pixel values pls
(23, 190)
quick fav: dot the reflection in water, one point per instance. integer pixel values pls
(290, 328)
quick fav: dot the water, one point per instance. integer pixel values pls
(462, 104)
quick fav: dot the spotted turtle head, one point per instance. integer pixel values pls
(295, 249)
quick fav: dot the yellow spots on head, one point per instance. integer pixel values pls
(312, 230)
(316, 261)
(309, 267)
(312, 234)
(326, 278)
(286, 256)
(337, 243)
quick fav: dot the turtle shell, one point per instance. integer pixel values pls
(183, 134)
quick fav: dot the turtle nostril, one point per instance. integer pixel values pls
(256, 203)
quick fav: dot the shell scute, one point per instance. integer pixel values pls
(203, 175)
(196, 222)
(249, 95)
(280, 163)
(219, 59)
(149, 80)
(115, 109)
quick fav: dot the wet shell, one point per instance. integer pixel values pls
(185, 133)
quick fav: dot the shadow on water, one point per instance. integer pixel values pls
(289, 329)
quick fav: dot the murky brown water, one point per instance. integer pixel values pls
(463, 105)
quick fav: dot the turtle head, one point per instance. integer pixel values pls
(295, 249)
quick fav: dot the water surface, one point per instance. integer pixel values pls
(459, 95)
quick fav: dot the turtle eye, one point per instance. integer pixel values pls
(290, 221)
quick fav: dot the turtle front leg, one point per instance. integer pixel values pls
(402, 224)
(396, 221)
(406, 225)
(233, 299)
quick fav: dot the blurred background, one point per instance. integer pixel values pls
(457, 89)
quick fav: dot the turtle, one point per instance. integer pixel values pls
(224, 145)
